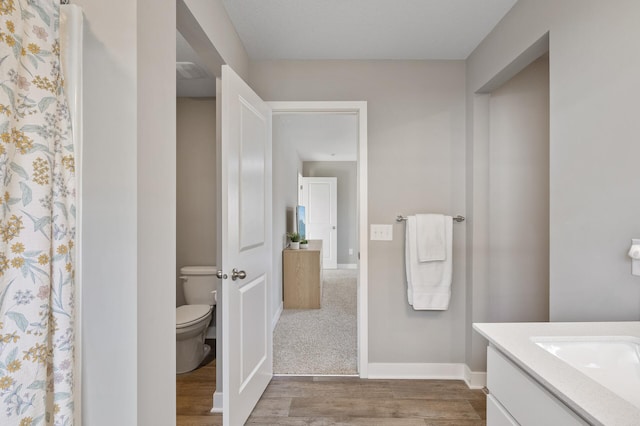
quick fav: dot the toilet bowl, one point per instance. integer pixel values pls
(193, 318)
(191, 326)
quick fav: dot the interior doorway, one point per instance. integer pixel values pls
(345, 286)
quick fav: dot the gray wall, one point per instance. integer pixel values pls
(156, 214)
(345, 171)
(416, 163)
(196, 185)
(594, 209)
(519, 197)
(286, 165)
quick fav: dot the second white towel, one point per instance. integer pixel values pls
(428, 283)
(430, 235)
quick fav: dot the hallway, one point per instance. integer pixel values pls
(320, 341)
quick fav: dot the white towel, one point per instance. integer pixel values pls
(430, 235)
(428, 283)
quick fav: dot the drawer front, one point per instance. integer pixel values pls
(497, 415)
(527, 401)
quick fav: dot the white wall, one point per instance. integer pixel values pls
(347, 198)
(286, 165)
(416, 163)
(110, 214)
(519, 197)
(196, 213)
(594, 209)
(129, 213)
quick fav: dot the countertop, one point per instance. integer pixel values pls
(594, 402)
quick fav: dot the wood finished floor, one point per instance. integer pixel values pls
(194, 394)
(319, 401)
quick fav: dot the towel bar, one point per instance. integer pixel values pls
(401, 218)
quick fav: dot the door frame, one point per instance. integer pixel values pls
(360, 109)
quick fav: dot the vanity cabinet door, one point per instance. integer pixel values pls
(522, 397)
(497, 415)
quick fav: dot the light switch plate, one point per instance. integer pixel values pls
(381, 232)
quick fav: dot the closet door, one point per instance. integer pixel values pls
(321, 202)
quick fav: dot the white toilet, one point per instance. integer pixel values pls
(193, 318)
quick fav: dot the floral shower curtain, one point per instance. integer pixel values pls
(37, 220)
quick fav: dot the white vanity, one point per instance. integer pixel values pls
(563, 373)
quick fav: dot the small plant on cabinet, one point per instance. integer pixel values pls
(295, 240)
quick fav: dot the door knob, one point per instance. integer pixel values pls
(235, 274)
(220, 275)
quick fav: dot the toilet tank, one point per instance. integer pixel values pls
(199, 283)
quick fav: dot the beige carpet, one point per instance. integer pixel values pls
(320, 341)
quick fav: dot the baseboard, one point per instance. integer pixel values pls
(416, 371)
(276, 316)
(428, 371)
(217, 402)
(475, 379)
(347, 266)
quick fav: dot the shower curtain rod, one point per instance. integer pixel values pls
(401, 218)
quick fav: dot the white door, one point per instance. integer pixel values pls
(321, 203)
(247, 342)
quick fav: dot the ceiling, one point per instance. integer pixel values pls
(351, 29)
(364, 29)
(318, 136)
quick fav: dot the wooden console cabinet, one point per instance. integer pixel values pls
(302, 276)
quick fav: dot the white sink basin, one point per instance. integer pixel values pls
(612, 361)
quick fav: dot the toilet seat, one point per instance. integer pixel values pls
(187, 315)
